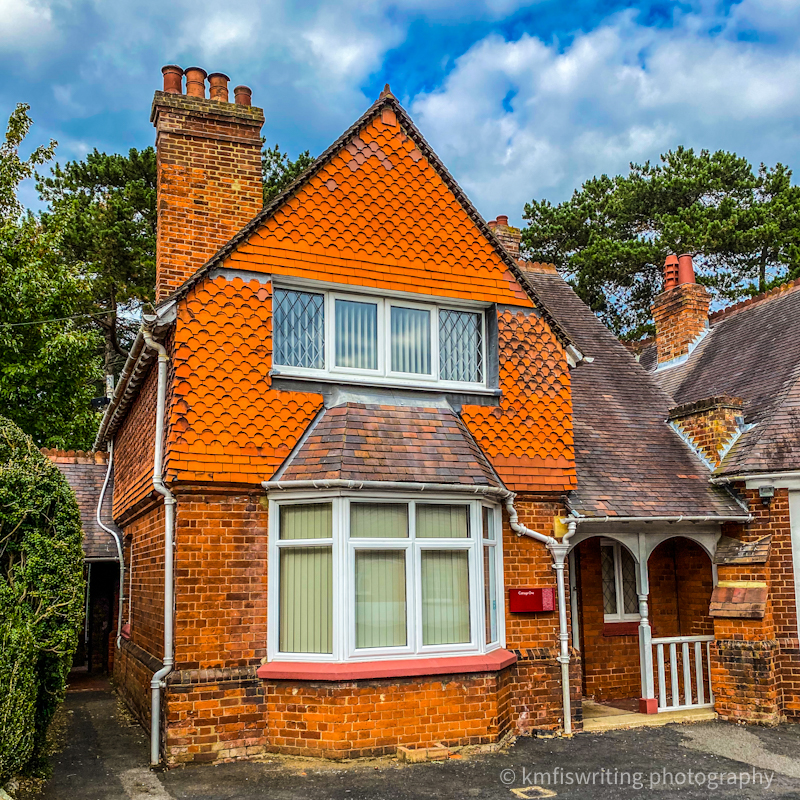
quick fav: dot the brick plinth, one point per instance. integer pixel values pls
(743, 675)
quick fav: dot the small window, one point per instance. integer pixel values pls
(460, 346)
(299, 329)
(356, 335)
(411, 340)
(620, 600)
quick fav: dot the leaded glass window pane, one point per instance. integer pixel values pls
(630, 600)
(460, 346)
(411, 340)
(356, 334)
(298, 329)
(609, 580)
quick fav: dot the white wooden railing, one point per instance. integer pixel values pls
(687, 659)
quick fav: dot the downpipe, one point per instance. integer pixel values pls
(117, 540)
(157, 683)
(559, 551)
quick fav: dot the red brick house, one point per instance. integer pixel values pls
(383, 483)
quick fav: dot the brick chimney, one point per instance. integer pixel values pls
(509, 237)
(680, 311)
(209, 170)
(711, 425)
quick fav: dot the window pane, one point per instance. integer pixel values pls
(312, 521)
(298, 326)
(609, 581)
(306, 600)
(630, 600)
(445, 596)
(411, 340)
(356, 335)
(460, 346)
(442, 522)
(380, 598)
(378, 521)
(490, 593)
(488, 523)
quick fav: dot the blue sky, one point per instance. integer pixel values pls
(521, 100)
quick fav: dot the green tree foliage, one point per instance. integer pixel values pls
(611, 237)
(104, 209)
(41, 596)
(278, 170)
(48, 370)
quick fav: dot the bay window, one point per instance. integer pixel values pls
(327, 334)
(364, 578)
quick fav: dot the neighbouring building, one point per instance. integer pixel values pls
(381, 482)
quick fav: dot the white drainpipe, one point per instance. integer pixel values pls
(559, 551)
(116, 538)
(157, 681)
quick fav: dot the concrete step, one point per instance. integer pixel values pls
(615, 720)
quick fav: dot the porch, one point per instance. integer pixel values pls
(640, 619)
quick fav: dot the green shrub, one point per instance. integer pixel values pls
(41, 596)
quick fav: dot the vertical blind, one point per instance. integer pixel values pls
(307, 521)
(298, 328)
(411, 340)
(460, 346)
(445, 596)
(380, 608)
(356, 334)
(490, 594)
(306, 600)
(442, 522)
(378, 521)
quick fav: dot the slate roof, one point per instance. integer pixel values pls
(629, 462)
(752, 351)
(85, 473)
(357, 441)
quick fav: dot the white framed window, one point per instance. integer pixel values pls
(367, 338)
(372, 577)
(620, 600)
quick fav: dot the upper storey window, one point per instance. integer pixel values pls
(329, 334)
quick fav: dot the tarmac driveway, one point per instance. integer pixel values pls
(106, 757)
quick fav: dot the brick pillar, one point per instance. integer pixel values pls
(680, 312)
(209, 174)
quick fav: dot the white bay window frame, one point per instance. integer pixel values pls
(344, 549)
(384, 373)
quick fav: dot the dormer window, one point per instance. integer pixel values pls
(360, 338)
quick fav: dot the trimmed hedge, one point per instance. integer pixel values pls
(41, 597)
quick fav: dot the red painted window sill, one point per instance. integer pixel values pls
(620, 629)
(405, 668)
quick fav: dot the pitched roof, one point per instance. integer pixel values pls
(350, 139)
(752, 351)
(358, 441)
(629, 462)
(85, 473)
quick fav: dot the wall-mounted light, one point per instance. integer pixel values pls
(766, 493)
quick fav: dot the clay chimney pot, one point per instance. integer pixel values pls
(196, 82)
(218, 86)
(671, 272)
(492, 223)
(173, 79)
(502, 219)
(685, 269)
(242, 95)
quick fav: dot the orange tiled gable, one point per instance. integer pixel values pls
(378, 213)
(528, 438)
(226, 423)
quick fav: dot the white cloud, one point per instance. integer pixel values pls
(26, 25)
(620, 93)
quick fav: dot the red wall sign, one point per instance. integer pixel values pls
(531, 599)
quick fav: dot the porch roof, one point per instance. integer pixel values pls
(629, 462)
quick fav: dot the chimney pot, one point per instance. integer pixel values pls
(196, 82)
(173, 79)
(242, 95)
(492, 223)
(685, 269)
(502, 219)
(218, 86)
(671, 272)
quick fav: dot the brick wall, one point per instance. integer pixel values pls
(680, 315)
(133, 450)
(209, 180)
(220, 580)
